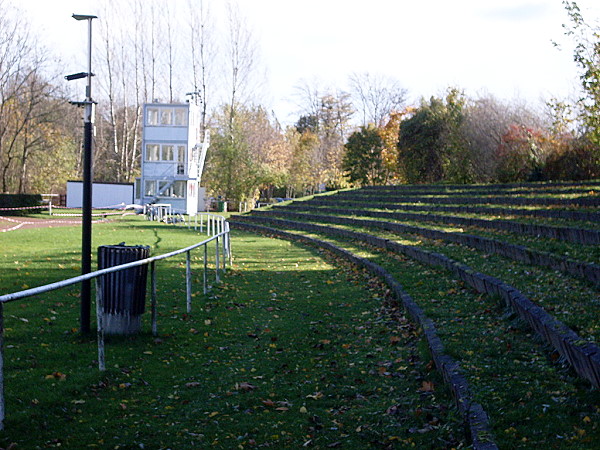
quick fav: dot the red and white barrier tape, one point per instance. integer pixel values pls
(23, 207)
(20, 223)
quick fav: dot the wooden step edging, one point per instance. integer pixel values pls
(475, 418)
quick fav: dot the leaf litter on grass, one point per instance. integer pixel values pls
(294, 348)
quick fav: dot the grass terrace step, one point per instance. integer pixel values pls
(575, 200)
(489, 210)
(532, 400)
(543, 187)
(583, 270)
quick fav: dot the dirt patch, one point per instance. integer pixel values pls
(18, 223)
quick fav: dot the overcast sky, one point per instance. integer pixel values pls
(502, 47)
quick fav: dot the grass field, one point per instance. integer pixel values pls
(293, 348)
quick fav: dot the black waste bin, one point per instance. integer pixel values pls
(123, 292)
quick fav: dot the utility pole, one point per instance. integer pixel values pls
(86, 221)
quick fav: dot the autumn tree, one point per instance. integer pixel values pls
(303, 145)
(326, 113)
(389, 154)
(32, 108)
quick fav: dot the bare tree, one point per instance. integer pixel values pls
(376, 97)
(202, 52)
(116, 156)
(242, 54)
(486, 121)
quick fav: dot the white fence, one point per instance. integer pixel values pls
(218, 230)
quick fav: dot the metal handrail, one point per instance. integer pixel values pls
(88, 276)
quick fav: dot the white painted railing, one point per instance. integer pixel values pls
(218, 230)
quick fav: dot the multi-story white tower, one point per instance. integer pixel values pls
(173, 153)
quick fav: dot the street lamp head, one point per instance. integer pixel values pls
(83, 17)
(76, 76)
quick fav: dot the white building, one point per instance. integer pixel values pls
(173, 153)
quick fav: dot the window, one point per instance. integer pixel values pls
(167, 153)
(175, 189)
(164, 189)
(179, 189)
(166, 116)
(152, 152)
(181, 153)
(149, 188)
(181, 160)
(180, 118)
(152, 116)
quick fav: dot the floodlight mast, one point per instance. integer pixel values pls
(86, 221)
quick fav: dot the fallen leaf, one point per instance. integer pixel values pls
(244, 386)
(315, 396)
(426, 386)
(394, 340)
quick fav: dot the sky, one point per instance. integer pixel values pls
(498, 47)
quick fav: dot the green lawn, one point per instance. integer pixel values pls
(293, 348)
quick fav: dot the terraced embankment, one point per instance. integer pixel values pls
(503, 281)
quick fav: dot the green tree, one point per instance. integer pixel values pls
(587, 57)
(431, 146)
(247, 155)
(363, 161)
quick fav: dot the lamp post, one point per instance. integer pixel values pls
(86, 221)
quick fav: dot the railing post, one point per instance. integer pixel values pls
(188, 281)
(49, 207)
(217, 259)
(2, 407)
(229, 253)
(205, 268)
(100, 325)
(224, 253)
(153, 298)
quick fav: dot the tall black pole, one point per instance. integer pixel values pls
(86, 227)
(86, 233)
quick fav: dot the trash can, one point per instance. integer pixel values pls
(221, 206)
(123, 292)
